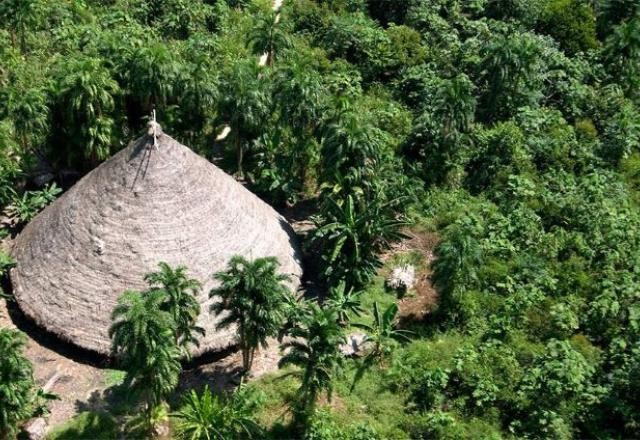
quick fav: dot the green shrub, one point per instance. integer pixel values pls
(17, 385)
(206, 416)
(6, 262)
(572, 23)
(23, 209)
(444, 425)
(9, 166)
(323, 426)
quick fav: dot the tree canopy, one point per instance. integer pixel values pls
(508, 129)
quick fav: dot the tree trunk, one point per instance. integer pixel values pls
(246, 359)
(310, 404)
(305, 411)
(252, 356)
(248, 355)
(240, 153)
(149, 411)
(302, 174)
(23, 40)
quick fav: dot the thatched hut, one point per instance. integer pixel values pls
(151, 202)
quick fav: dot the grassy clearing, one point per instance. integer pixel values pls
(87, 425)
(114, 377)
(378, 292)
(370, 403)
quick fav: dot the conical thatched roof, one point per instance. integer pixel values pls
(144, 205)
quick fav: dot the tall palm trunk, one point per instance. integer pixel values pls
(240, 155)
(149, 411)
(246, 359)
(248, 355)
(248, 352)
(306, 410)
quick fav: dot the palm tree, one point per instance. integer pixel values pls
(458, 256)
(152, 75)
(17, 386)
(86, 98)
(138, 323)
(268, 36)
(9, 164)
(295, 310)
(349, 143)
(350, 235)
(382, 332)
(456, 105)
(300, 95)
(344, 301)
(30, 112)
(199, 91)
(624, 41)
(143, 340)
(244, 105)
(254, 298)
(511, 67)
(181, 301)
(20, 16)
(621, 53)
(207, 416)
(314, 348)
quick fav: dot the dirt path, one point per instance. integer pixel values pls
(224, 374)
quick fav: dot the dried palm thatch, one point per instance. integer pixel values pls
(151, 202)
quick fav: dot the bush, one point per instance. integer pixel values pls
(9, 166)
(450, 426)
(323, 426)
(17, 385)
(6, 262)
(205, 416)
(23, 209)
(572, 23)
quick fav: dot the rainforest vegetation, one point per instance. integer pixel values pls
(508, 129)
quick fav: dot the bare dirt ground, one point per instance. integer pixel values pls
(416, 305)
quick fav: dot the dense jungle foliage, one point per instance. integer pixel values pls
(511, 128)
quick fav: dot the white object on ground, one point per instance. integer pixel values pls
(354, 345)
(402, 277)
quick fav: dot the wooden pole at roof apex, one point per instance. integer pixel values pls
(155, 125)
(153, 128)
